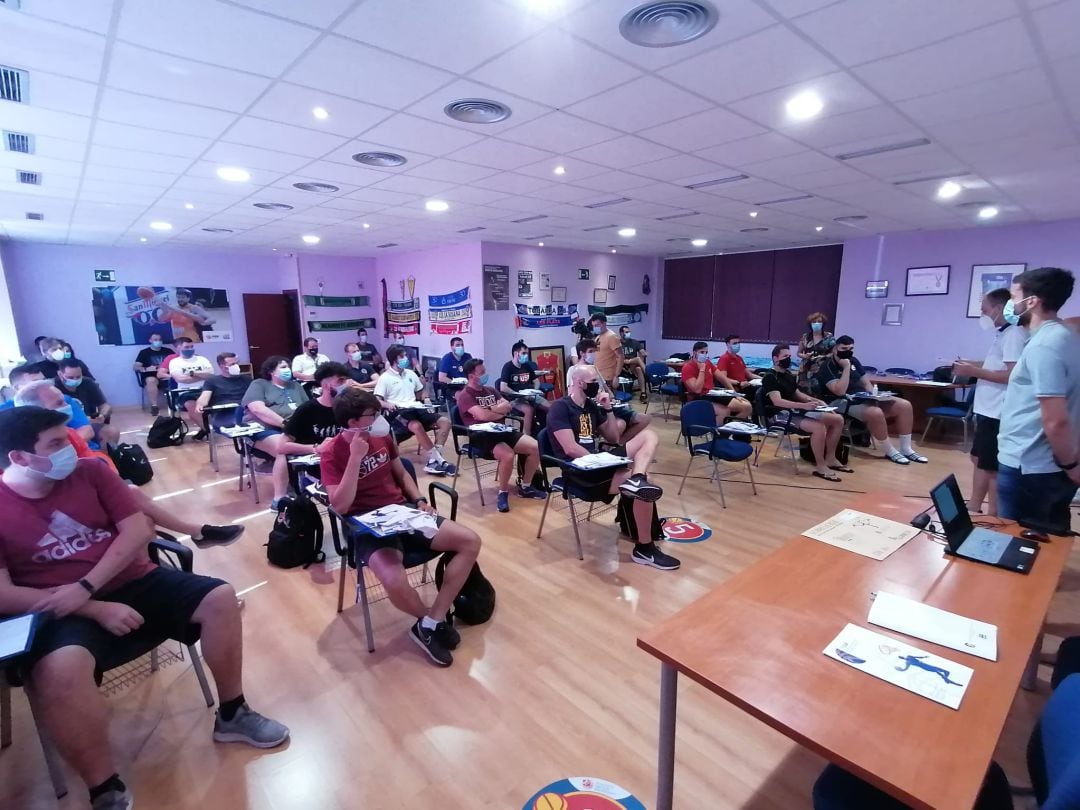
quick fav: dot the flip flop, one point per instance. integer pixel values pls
(828, 476)
(842, 468)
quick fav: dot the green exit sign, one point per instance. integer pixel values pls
(104, 275)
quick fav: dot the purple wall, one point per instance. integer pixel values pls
(338, 276)
(50, 295)
(935, 328)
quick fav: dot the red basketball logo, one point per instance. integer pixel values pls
(685, 530)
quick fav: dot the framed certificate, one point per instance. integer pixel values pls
(927, 280)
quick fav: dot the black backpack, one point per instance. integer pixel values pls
(167, 431)
(132, 464)
(475, 603)
(297, 536)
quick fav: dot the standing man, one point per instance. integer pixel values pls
(304, 365)
(147, 362)
(731, 368)
(993, 376)
(189, 371)
(699, 375)
(1039, 442)
(71, 381)
(634, 359)
(609, 354)
(519, 374)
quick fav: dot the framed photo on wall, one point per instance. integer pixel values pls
(611, 282)
(987, 277)
(599, 295)
(558, 295)
(583, 274)
(892, 314)
(553, 359)
(927, 280)
(877, 289)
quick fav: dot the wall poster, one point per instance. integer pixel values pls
(525, 284)
(496, 287)
(128, 315)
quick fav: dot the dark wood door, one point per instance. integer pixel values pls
(271, 327)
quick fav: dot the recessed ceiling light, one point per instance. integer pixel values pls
(560, 170)
(753, 214)
(161, 226)
(627, 232)
(664, 23)
(385, 160)
(613, 250)
(539, 244)
(477, 111)
(948, 190)
(189, 206)
(142, 238)
(319, 188)
(699, 242)
(819, 228)
(320, 113)
(805, 105)
(233, 174)
(274, 249)
(310, 239)
(367, 225)
(437, 205)
(988, 212)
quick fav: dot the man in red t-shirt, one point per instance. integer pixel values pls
(73, 548)
(732, 368)
(699, 376)
(362, 472)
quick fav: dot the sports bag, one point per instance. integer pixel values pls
(475, 602)
(297, 536)
(167, 431)
(132, 464)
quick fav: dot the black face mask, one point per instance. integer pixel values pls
(845, 355)
(785, 363)
(313, 351)
(592, 389)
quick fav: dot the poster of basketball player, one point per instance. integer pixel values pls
(127, 315)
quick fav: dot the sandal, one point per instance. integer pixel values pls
(828, 476)
(842, 468)
(897, 457)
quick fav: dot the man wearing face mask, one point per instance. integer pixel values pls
(362, 471)
(519, 374)
(993, 377)
(1039, 441)
(396, 389)
(312, 424)
(368, 352)
(71, 381)
(22, 377)
(731, 368)
(270, 400)
(225, 388)
(361, 371)
(147, 363)
(478, 402)
(578, 422)
(304, 365)
(609, 355)
(628, 422)
(634, 359)
(52, 352)
(189, 371)
(699, 376)
(452, 367)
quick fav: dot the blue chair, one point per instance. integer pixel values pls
(870, 369)
(836, 789)
(659, 383)
(699, 419)
(464, 449)
(783, 430)
(952, 409)
(900, 371)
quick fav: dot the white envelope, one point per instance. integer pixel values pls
(933, 624)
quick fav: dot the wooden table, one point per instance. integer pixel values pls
(922, 394)
(757, 641)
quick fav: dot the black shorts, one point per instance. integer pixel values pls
(487, 442)
(429, 419)
(367, 544)
(165, 597)
(624, 412)
(186, 395)
(984, 449)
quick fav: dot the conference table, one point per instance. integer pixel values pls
(758, 639)
(922, 394)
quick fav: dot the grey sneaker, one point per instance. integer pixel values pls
(251, 728)
(114, 800)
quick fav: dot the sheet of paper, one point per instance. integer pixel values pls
(241, 430)
(910, 668)
(397, 518)
(595, 461)
(15, 635)
(736, 426)
(310, 460)
(869, 535)
(531, 392)
(489, 427)
(933, 624)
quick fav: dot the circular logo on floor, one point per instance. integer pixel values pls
(684, 530)
(583, 793)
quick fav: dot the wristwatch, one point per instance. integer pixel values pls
(90, 589)
(421, 498)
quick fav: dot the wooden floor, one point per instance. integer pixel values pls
(552, 687)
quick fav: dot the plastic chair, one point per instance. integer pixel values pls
(952, 410)
(782, 431)
(837, 789)
(899, 371)
(870, 369)
(464, 449)
(143, 402)
(699, 419)
(659, 383)
(164, 551)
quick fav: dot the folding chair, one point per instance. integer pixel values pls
(660, 383)
(699, 419)
(782, 431)
(953, 409)
(212, 432)
(900, 371)
(465, 449)
(119, 673)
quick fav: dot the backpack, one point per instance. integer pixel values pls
(297, 536)
(167, 431)
(475, 602)
(132, 464)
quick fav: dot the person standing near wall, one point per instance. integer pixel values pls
(814, 346)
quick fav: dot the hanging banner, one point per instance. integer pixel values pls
(336, 301)
(448, 300)
(542, 316)
(622, 314)
(450, 314)
(341, 326)
(403, 314)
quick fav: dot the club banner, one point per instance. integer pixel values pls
(542, 316)
(402, 314)
(450, 314)
(336, 301)
(456, 328)
(127, 316)
(341, 326)
(622, 314)
(449, 300)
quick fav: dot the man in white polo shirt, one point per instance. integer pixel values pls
(992, 375)
(189, 371)
(304, 365)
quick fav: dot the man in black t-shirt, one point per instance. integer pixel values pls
(633, 360)
(312, 424)
(577, 423)
(368, 353)
(147, 363)
(361, 371)
(519, 374)
(226, 388)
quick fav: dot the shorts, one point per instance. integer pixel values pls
(166, 598)
(519, 402)
(182, 395)
(265, 433)
(429, 419)
(984, 449)
(146, 375)
(406, 543)
(487, 442)
(847, 408)
(781, 419)
(624, 412)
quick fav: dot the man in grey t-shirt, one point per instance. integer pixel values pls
(1039, 442)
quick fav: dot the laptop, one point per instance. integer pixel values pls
(972, 542)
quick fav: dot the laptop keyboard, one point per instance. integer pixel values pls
(985, 545)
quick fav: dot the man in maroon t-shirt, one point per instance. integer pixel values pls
(73, 548)
(699, 376)
(479, 403)
(362, 472)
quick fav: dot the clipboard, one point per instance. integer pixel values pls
(17, 634)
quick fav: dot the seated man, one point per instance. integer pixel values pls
(226, 388)
(628, 422)
(27, 383)
(520, 374)
(842, 374)
(634, 360)
(577, 423)
(304, 365)
(731, 369)
(478, 402)
(396, 390)
(452, 366)
(362, 471)
(72, 382)
(312, 425)
(103, 595)
(361, 371)
(69, 354)
(699, 376)
(269, 401)
(368, 352)
(189, 371)
(783, 399)
(147, 363)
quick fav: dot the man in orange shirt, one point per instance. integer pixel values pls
(699, 376)
(609, 356)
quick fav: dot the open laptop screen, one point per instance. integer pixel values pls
(952, 511)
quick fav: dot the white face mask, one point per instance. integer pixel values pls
(62, 464)
(57, 355)
(986, 323)
(234, 370)
(380, 427)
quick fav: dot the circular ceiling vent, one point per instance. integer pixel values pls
(218, 230)
(752, 230)
(665, 23)
(385, 160)
(850, 218)
(321, 188)
(477, 111)
(273, 206)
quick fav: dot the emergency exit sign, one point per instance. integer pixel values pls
(104, 275)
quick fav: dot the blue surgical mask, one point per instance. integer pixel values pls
(523, 357)
(403, 362)
(66, 410)
(703, 357)
(484, 379)
(155, 344)
(1010, 314)
(626, 336)
(67, 354)
(62, 464)
(187, 353)
(357, 356)
(73, 383)
(458, 351)
(735, 348)
(590, 357)
(596, 330)
(285, 374)
(817, 326)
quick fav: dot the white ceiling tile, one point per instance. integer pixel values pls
(135, 159)
(826, 178)
(769, 59)
(320, 13)
(123, 136)
(512, 183)
(451, 171)
(474, 196)
(909, 162)
(751, 150)
(572, 70)
(35, 44)
(1001, 93)
(838, 91)
(348, 68)
(385, 197)
(1058, 26)
(344, 155)
(41, 122)
(639, 104)
(574, 169)
(614, 181)
(560, 133)
(999, 125)
(252, 157)
(702, 130)
(783, 167)
(142, 177)
(39, 163)
(351, 173)
(420, 135)
(624, 152)
(678, 167)
(293, 104)
(92, 15)
(796, 8)
(59, 149)
(500, 154)
(60, 93)
(413, 185)
(145, 111)
(282, 137)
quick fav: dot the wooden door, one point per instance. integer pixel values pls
(271, 327)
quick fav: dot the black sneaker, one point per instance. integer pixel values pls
(153, 410)
(431, 643)
(199, 435)
(218, 535)
(447, 635)
(637, 486)
(653, 556)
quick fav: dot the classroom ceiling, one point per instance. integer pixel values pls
(134, 105)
